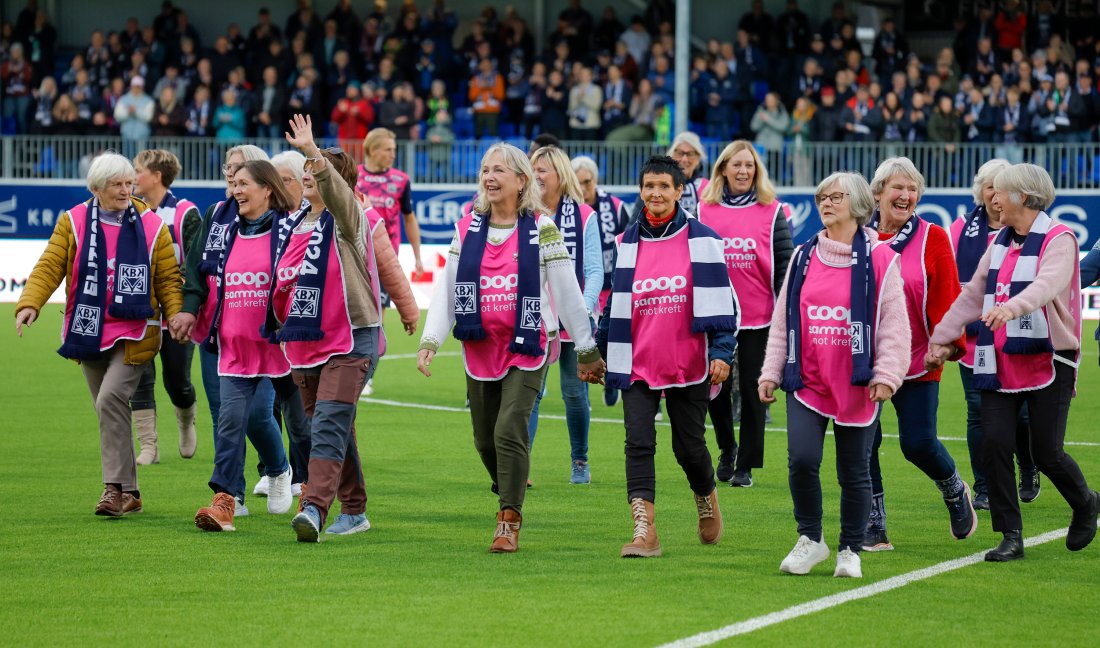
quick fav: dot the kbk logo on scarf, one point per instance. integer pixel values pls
(671, 284)
(304, 303)
(531, 317)
(465, 298)
(133, 279)
(86, 320)
(216, 240)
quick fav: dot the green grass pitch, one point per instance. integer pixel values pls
(422, 575)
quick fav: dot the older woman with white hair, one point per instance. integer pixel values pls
(687, 149)
(507, 281)
(839, 347)
(1027, 294)
(291, 168)
(121, 275)
(970, 237)
(931, 284)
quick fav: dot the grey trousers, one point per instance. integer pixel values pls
(112, 382)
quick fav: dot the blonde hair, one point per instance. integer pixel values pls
(891, 167)
(515, 160)
(859, 192)
(249, 152)
(765, 190)
(375, 136)
(985, 175)
(559, 161)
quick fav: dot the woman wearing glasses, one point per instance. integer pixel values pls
(839, 347)
(687, 150)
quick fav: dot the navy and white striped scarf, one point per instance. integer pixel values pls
(611, 224)
(568, 219)
(714, 305)
(218, 236)
(904, 235)
(1028, 333)
(973, 241)
(729, 199)
(305, 321)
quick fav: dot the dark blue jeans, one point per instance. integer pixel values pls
(974, 432)
(915, 404)
(246, 405)
(574, 392)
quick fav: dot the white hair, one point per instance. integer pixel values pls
(1028, 185)
(249, 152)
(585, 163)
(891, 167)
(859, 192)
(986, 173)
(692, 140)
(292, 161)
(106, 167)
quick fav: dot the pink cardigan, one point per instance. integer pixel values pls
(1053, 287)
(892, 335)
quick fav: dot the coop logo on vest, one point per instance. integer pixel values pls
(1003, 289)
(671, 284)
(828, 313)
(133, 279)
(739, 244)
(834, 327)
(247, 279)
(500, 282)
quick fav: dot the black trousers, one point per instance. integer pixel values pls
(1048, 408)
(751, 345)
(176, 365)
(687, 412)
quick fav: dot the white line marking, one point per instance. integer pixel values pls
(826, 602)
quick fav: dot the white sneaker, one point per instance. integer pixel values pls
(296, 490)
(262, 486)
(848, 565)
(239, 509)
(368, 388)
(804, 556)
(278, 498)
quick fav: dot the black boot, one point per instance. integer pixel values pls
(1082, 528)
(726, 460)
(1011, 548)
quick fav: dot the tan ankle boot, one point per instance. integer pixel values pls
(185, 419)
(145, 425)
(646, 544)
(506, 539)
(710, 518)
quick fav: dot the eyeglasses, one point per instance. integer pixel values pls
(684, 154)
(230, 169)
(334, 151)
(833, 198)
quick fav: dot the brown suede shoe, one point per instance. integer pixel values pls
(506, 538)
(646, 544)
(302, 499)
(110, 503)
(710, 518)
(130, 504)
(218, 516)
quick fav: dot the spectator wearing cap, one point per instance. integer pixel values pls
(134, 111)
(825, 126)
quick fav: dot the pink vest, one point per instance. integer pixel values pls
(489, 358)
(666, 352)
(113, 329)
(204, 319)
(1029, 371)
(914, 277)
(827, 340)
(587, 221)
(173, 218)
(384, 191)
(241, 350)
(335, 320)
(747, 246)
(955, 231)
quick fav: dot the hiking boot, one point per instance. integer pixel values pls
(645, 544)
(145, 425)
(279, 499)
(804, 556)
(710, 518)
(506, 538)
(218, 516)
(307, 524)
(1082, 527)
(741, 479)
(1011, 548)
(347, 524)
(110, 503)
(964, 521)
(610, 396)
(581, 474)
(1029, 485)
(185, 420)
(981, 502)
(874, 539)
(726, 460)
(130, 503)
(848, 564)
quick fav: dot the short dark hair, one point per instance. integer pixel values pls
(659, 164)
(543, 139)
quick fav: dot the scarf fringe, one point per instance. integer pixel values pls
(77, 352)
(1022, 346)
(469, 332)
(299, 334)
(714, 324)
(529, 348)
(986, 382)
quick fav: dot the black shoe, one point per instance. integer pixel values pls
(964, 521)
(874, 539)
(610, 395)
(725, 464)
(1011, 548)
(981, 502)
(742, 478)
(1029, 485)
(1082, 528)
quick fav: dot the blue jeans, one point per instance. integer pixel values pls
(974, 433)
(915, 404)
(246, 410)
(574, 392)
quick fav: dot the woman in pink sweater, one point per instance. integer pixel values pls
(1026, 291)
(839, 346)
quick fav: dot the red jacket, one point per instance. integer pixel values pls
(352, 118)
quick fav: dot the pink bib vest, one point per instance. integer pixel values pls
(241, 350)
(747, 246)
(1028, 371)
(971, 340)
(827, 341)
(914, 277)
(384, 191)
(489, 358)
(113, 329)
(666, 352)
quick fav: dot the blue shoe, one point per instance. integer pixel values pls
(610, 395)
(307, 524)
(581, 474)
(347, 524)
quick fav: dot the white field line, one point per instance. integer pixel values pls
(826, 602)
(559, 417)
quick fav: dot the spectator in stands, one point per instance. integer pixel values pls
(398, 113)
(332, 42)
(534, 99)
(134, 112)
(304, 21)
(944, 124)
(826, 123)
(171, 79)
(486, 94)
(441, 138)
(44, 98)
(984, 63)
(41, 43)
(759, 25)
(893, 118)
(1011, 126)
(339, 74)
(67, 120)
(1043, 25)
(915, 125)
(353, 115)
(17, 78)
(170, 115)
(86, 98)
(304, 98)
(800, 133)
(200, 112)
(1067, 110)
(770, 124)
(642, 113)
(585, 106)
(517, 87)
(889, 49)
(663, 79)
(720, 111)
(1011, 26)
(617, 96)
(636, 40)
(229, 119)
(429, 67)
(978, 118)
(861, 123)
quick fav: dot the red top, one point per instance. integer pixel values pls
(943, 284)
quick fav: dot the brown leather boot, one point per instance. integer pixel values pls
(506, 538)
(130, 504)
(710, 518)
(646, 544)
(110, 503)
(218, 516)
